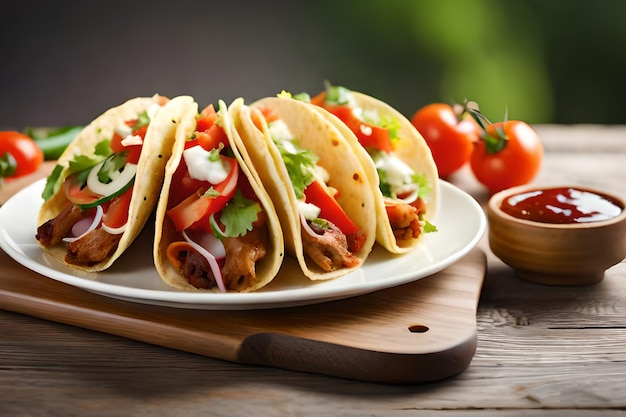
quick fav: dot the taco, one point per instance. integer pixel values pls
(216, 227)
(94, 203)
(319, 187)
(405, 179)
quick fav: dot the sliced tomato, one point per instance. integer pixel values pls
(319, 99)
(77, 192)
(116, 214)
(134, 151)
(317, 195)
(369, 136)
(268, 114)
(212, 137)
(206, 118)
(196, 209)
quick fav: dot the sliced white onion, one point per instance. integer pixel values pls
(209, 242)
(115, 185)
(215, 268)
(411, 197)
(114, 230)
(94, 223)
(306, 227)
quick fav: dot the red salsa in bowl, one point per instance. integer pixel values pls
(561, 205)
(558, 235)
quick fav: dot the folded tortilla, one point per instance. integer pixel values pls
(410, 148)
(156, 150)
(264, 270)
(336, 156)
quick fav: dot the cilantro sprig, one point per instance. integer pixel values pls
(238, 217)
(300, 165)
(78, 164)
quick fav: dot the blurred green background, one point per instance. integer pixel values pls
(543, 61)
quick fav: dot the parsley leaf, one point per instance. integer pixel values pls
(79, 163)
(239, 215)
(142, 120)
(300, 165)
(428, 227)
(53, 183)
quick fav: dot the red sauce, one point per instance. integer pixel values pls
(562, 205)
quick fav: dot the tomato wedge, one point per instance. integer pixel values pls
(369, 136)
(116, 214)
(76, 193)
(198, 207)
(206, 118)
(317, 195)
(134, 151)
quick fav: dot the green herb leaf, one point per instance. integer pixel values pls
(423, 184)
(239, 215)
(429, 227)
(142, 120)
(336, 94)
(383, 184)
(53, 182)
(112, 163)
(321, 224)
(300, 166)
(302, 97)
(8, 165)
(211, 193)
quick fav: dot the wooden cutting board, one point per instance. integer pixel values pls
(418, 332)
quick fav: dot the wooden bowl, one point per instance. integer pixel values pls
(556, 254)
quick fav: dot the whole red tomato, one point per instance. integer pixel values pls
(449, 134)
(509, 153)
(27, 155)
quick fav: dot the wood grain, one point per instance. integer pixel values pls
(367, 337)
(541, 350)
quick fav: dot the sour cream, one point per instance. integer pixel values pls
(202, 168)
(398, 174)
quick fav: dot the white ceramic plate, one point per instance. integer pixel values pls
(461, 223)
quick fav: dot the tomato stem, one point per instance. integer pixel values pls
(493, 143)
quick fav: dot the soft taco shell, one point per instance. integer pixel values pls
(157, 148)
(411, 148)
(267, 268)
(347, 173)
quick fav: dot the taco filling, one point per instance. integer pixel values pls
(403, 189)
(98, 188)
(329, 237)
(221, 227)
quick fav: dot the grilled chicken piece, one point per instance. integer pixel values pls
(328, 248)
(54, 230)
(92, 248)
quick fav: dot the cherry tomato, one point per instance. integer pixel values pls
(508, 154)
(28, 156)
(448, 133)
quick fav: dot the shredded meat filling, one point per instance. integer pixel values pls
(328, 248)
(239, 269)
(196, 269)
(94, 247)
(54, 230)
(242, 254)
(404, 220)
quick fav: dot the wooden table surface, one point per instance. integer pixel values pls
(541, 350)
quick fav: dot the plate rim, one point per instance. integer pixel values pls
(231, 301)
